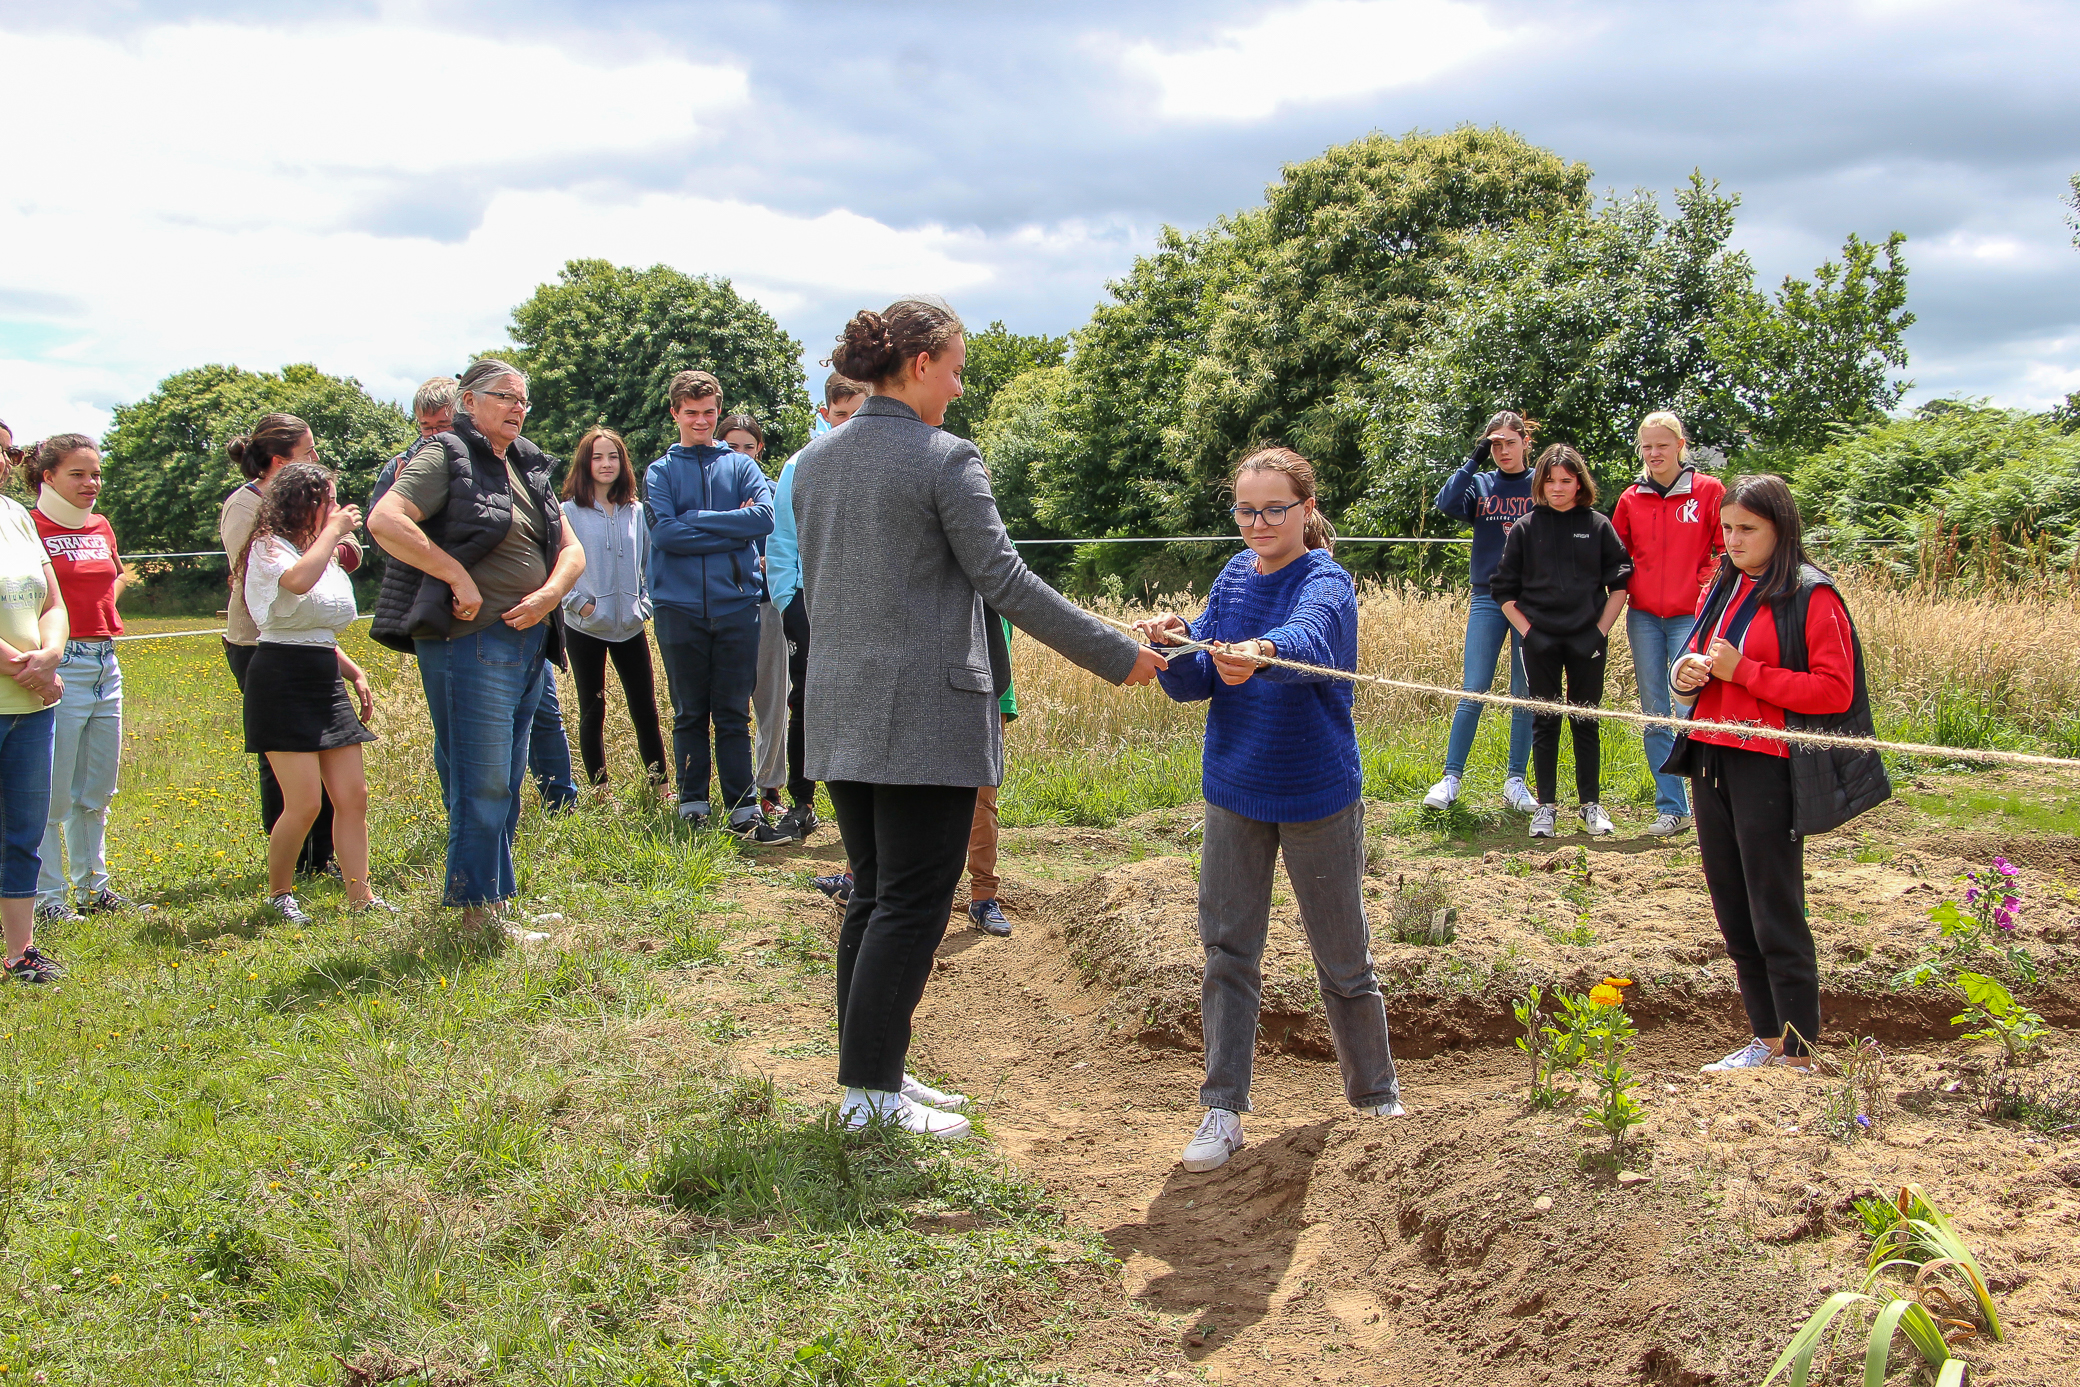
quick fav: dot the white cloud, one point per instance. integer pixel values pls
(1325, 50)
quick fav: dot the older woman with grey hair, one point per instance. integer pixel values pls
(482, 561)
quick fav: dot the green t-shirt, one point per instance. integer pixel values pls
(508, 573)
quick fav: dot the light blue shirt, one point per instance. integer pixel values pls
(783, 553)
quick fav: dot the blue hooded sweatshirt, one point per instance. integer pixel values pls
(1491, 502)
(703, 538)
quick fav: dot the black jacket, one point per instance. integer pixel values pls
(1559, 566)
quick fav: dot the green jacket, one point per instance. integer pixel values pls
(1007, 702)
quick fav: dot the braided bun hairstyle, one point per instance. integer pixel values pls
(876, 346)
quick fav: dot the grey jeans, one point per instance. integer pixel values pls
(1325, 861)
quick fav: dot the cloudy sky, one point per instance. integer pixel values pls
(372, 187)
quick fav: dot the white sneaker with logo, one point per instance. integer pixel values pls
(1219, 1137)
(924, 1095)
(1442, 793)
(1517, 795)
(1669, 825)
(1544, 820)
(1596, 821)
(865, 1106)
(1753, 1055)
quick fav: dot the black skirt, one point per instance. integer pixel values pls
(296, 701)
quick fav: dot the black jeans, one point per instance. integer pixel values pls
(1581, 657)
(711, 665)
(588, 656)
(907, 845)
(1755, 869)
(317, 844)
(794, 624)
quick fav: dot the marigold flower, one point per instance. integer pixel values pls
(1618, 982)
(1604, 995)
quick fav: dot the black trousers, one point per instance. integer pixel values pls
(588, 657)
(1581, 658)
(908, 845)
(794, 624)
(1755, 869)
(317, 844)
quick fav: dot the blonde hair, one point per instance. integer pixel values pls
(1665, 419)
(1319, 534)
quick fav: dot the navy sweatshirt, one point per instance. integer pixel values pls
(1280, 747)
(1491, 502)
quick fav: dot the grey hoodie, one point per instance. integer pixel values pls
(617, 564)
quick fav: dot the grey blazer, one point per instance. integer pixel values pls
(901, 545)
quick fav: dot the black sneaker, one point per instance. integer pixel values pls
(35, 966)
(759, 832)
(989, 917)
(285, 906)
(105, 900)
(55, 912)
(799, 822)
(838, 886)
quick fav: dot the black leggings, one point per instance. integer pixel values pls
(588, 657)
(794, 624)
(1756, 871)
(317, 844)
(907, 845)
(1581, 657)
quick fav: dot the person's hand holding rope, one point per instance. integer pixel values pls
(1235, 662)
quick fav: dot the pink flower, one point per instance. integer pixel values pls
(2005, 868)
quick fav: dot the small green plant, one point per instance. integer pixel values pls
(1423, 911)
(2049, 1104)
(1538, 1044)
(1579, 891)
(1994, 1010)
(1579, 935)
(1607, 1036)
(1856, 1101)
(1986, 917)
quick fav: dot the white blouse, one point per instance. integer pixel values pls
(287, 618)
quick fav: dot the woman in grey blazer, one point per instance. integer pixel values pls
(901, 546)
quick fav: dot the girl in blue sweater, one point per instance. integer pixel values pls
(1281, 775)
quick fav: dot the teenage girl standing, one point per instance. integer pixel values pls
(1561, 583)
(1281, 776)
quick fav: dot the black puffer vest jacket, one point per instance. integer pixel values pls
(1830, 785)
(476, 518)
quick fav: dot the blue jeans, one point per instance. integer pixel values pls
(1655, 642)
(481, 693)
(1486, 627)
(711, 664)
(25, 797)
(549, 750)
(86, 744)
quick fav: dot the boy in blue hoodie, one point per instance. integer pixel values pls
(708, 505)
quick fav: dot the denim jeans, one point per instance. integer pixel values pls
(1655, 642)
(25, 797)
(481, 693)
(1486, 627)
(710, 665)
(1325, 861)
(549, 749)
(86, 744)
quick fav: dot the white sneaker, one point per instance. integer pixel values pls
(924, 1095)
(1668, 825)
(1393, 1109)
(1544, 819)
(870, 1106)
(1753, 1055)
(1517, 795)
(1219, 1137)
(1596, 821)
(1440, 797)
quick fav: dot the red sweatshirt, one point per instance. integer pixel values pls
(1761, 688)
(85, 562)
(1674, 541)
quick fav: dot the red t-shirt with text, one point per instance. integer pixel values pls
(85, 562)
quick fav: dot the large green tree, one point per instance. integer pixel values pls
(601, 345)
(165, 468)
(996, 356)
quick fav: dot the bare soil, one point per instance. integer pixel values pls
(1479, 1240)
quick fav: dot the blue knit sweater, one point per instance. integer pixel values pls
(1280, 747)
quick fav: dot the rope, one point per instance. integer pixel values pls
(1235, 539)
(1745, 731)
(176, 635)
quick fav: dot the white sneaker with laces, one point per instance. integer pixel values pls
(1517, 795)
(1596, 821)
(864, 1106)
(1219, 1137)
(1442, 793)
(924, 1095)
(1393, 1109)
(1753, 1055)
(1544, 820)
(1669, 825)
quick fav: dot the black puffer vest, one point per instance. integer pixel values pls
(476, 518)
(1830, 785)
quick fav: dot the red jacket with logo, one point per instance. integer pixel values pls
(1674, 541)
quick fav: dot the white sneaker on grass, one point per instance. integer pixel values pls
(1669, 825)
(1544, 819)
(1753, 1055)
(865, 1106)
(1517, 795)
(1596, 821)
(1219, 1137)
(924, 1095)
(1442, 793)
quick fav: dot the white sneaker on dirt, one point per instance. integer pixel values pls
(1393, 1109)
(926, 1096)
(1219, 1137)
(1544, 819)
(1596, 821)
(899, 1111)
(1440, 797)
(1517, 795)
(1753, 1055)
(1669, 825)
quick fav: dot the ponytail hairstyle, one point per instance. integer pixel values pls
(877, 346)
(48, 456)
(292, 509)
(1766, 494)
(1320, 534)
(1560, 455)
(1508, 419)
(275, 436)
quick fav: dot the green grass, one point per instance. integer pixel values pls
(231, 1150)
(1981, 809)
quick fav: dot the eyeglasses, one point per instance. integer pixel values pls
(1246, 516)
(509, 397)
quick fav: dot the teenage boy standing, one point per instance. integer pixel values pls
(707, 504)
